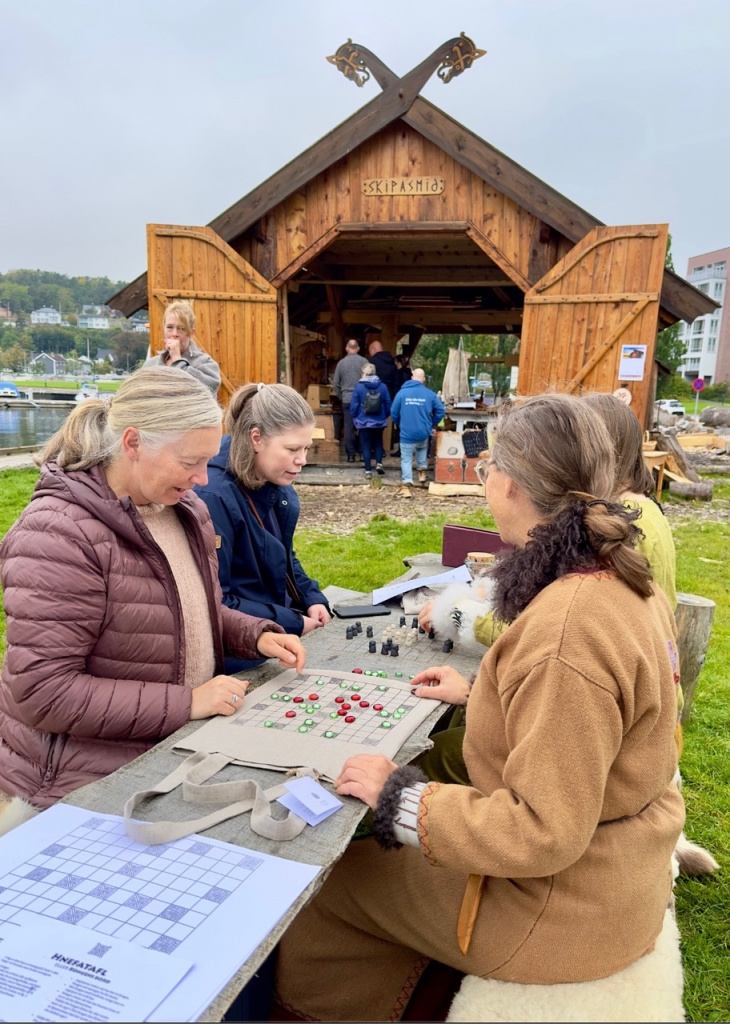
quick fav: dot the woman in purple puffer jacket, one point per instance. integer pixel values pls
(116, 630)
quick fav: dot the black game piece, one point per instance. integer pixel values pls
(402, 620)
(431, 634)
(358, 627)
(394, 651)
(421, 630)
(349, 635)
(384, 649)
(447, 646)
(372, 647)
(414, 625)
(369, 631)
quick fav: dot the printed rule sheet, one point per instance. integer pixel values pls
(197, 907)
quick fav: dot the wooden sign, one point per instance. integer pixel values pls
(426, 186)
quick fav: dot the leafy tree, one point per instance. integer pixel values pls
(433, 352)
(719, 392)
(129, 348)
(14, 358)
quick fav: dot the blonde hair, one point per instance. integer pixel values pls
(558, 450)
(269, 408)
(163, 404)
(181, 309)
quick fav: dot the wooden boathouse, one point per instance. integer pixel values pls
(399, 222)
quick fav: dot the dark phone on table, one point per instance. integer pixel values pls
(359, 611)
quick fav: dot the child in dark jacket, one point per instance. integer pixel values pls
(255, 509)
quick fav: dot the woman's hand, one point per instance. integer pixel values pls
(287, 648)
(424, 616)
(441, 683)
(172, 347)
(363, 776)
(221, 695)
(320, 613)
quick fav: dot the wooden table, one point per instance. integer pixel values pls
(323, 845)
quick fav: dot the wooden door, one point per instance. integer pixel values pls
(591, 322)
(235, 307)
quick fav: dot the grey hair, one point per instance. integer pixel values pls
(162, 403)
(269, 408)
(368, 370)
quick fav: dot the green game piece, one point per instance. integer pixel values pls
(383, 688)
(384, 714)
(385, 725)
(333, 714)
(309, 709)
(303, 728)
(399, 675)
(286, 697)
(269, 724)
(275, 696)
(316, 707)
(368, 672)
(309, 721)
(329, 735)
(344, 685)
(355, 687)
(396, 716)
(402, 711)
(411, 677)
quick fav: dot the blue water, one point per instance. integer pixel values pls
(20, 427)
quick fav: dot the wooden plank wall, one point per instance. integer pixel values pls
(398, 151)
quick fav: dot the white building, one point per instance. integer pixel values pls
(707, 339)
(45, 315)
(93, 323)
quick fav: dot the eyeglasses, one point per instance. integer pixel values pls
(482, 469)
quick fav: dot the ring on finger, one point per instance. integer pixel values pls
(234, 699)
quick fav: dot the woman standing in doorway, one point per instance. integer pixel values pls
(180, 350)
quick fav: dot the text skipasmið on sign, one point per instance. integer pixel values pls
(425, 186)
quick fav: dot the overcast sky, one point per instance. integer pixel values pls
(115, 113)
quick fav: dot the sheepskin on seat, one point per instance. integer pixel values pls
(13, 812)
(649, 990)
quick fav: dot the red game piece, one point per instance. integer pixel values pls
(298, 700)
(364, 703)
(314, 696)
(346, 707)
(341, 713)
(357, 671)
(350, 718)
(291, 714)
(377, 707)
(339, 700)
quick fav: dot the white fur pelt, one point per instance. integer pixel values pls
(648, 990)
(14, 812)
(456, 610)
(692, 859)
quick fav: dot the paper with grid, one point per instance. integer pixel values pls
(175, 899)
(281, 725)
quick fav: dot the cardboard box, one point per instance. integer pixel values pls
(317, 396)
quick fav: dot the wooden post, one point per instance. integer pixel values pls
(694, 617)
(284, 300)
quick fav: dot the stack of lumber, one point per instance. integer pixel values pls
(683, 478)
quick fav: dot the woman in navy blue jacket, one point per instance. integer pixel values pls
(255, 510)
(370, 408)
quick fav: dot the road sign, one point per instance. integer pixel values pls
(698, 384)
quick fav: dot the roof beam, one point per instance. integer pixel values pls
(430, 317)
(404, 277)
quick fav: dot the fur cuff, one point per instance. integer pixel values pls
(388, 801)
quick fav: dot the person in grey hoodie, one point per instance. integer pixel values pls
(347, 376)
(180, 350)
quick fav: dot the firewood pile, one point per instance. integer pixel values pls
(692, 449)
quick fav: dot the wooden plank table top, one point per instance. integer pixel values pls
(323, 845)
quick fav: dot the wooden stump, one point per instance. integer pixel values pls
(694, 617)
(686, 489)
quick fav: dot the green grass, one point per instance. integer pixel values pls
(373, 553)
(68, 385)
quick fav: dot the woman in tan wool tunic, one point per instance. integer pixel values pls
(553, 865)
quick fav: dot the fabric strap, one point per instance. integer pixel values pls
(238, 797)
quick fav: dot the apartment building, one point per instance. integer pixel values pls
(708, 338)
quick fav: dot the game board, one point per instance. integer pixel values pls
(316, 719)
(152, 896)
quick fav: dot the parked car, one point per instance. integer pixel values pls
(672, 406)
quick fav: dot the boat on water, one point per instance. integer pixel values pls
(87, 391)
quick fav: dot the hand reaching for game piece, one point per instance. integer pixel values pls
(287, 648)
(441, 683)
(320, 613)
(424, 616)
(363, 776)
(221, 695)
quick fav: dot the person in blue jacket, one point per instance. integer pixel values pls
(370, 408)
(417, 410)
(255, 509)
